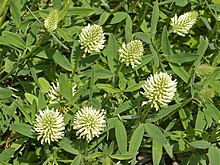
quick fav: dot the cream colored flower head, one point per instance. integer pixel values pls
(159, 89)
(54, 92)
(131, 53)
(52, 20)
(49, 125)
(89, 123)
(182, 24)
(92, 38)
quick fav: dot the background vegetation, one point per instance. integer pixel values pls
(31, 58)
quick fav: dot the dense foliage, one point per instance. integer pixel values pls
(126, 78)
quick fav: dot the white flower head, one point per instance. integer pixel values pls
(54, 92)
(89, 122)
(159, 90)
(131, 53)
(92, 38)
(184, 23)
(49, 125)
(52, 20)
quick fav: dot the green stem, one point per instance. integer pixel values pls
(86, 148)
(86, 151)
(145, 113)
(22, 60)
(117, 73)
(117, 7)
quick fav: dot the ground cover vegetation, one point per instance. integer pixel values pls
(109, 82)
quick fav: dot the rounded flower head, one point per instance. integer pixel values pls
(92, 38)
(49, 125)
(52, 20)
(183, 24)
(89, 122)
(131, 53)
(206, 94)
(159, 89)
(204, 70)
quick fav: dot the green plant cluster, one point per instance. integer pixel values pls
(186, 131)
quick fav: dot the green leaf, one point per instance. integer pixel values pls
(128, 29)
(123, 107)
(134, 87)
(155, 56)
(100, 73)
(180, 71)
(63, 12)
(111, 122)
(203, 45)
(15, 12)
(125, 156)
(184, 118)
(201, 144)
(205, 21)
(121, 136)
(118, 17)
(14, 39)
(213, 111)
(122, 81)
(154, 19)
(155, 133)
(65, 87)
(181, 2)
(143, 37)
(156, 151)
(214, 155)
(169, 149)
(108, 88)
(44, 84)
(62, 61)
(24, 112)
(103, 18)
(182, 57)
(66, 145)
(42, 104)
(145, 60)
(77, 160)
(88, 61)
(136, 139)
(23, 129)
(5, 93)
(200, 121)
(163, 112)
(111, 52)
(30, 98)
(216, 1)
(165, 43)
(6, 154)
(106, 160)
(96, 154)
